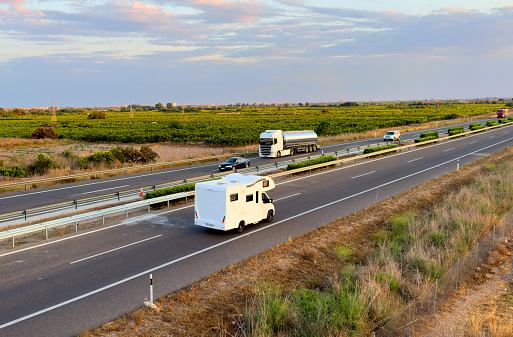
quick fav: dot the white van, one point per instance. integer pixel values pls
(233, 202)
(392, 135)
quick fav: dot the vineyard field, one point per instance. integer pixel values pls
(234, 127)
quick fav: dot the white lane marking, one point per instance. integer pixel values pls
(361, 175)
(105, 189)
(113, 250)
(409, 161)
(146, 272)
(449, 149)
(491, 137)
(473, 142)
(290, 196)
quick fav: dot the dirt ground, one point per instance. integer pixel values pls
(482, 306)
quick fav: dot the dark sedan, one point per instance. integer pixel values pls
(234, 163)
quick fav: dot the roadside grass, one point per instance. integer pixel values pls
(411, 252)
(347, 277)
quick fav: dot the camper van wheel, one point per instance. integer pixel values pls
(279, 154)
(240, 229)
(270, 216)
(247, 164)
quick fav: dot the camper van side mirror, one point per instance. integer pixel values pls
(271, 200)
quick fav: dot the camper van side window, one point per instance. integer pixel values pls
(249, 197)
(234, 197)
(266, 183)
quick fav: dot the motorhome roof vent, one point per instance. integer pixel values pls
(222, 184)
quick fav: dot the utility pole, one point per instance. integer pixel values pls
(54, 115)
(131, 111)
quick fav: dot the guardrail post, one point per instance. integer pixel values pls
(276, 164)
(13, 242)
(434, 299)
(185, 199)
(154, 189)
(168, 204)
(477, 251)
(457, 269)
(118, 195)
(126, 211)
(185, 181)
(336, 154)
(46, 233)
(25, 214)
(149, 207)
(126, 172)
(212, 176)
(76, 226)
(103, 220)
(76, 203)
(257, 168)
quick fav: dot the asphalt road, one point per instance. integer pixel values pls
(19, 201)
(64, 286)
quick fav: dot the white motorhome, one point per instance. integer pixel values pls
(233, 202)
(277, 143)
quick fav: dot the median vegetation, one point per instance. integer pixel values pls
(311, 162)
(378, 148)
(424, 137)
(476, 126)
(455, 130)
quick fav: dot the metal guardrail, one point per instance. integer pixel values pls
(45, 226)
(277, 165)
(124, 169)
(133, 192)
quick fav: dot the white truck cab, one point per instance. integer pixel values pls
(233, 202)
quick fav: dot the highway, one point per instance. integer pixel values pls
(19, 201)
(66, 285)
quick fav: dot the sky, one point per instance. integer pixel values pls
(90, 53)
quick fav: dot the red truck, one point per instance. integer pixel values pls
(501, 113)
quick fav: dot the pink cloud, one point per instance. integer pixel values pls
(12, 2)
(23, 10)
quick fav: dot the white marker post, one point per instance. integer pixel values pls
(458, 165)
(151, 290)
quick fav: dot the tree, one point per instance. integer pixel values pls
(97, 115)
(169, 106)
(307, 104)
(159, 106)
(147, 154)
(45, 131)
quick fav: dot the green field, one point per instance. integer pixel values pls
(234, 126)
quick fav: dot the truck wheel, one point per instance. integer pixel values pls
(270, 216)
(241, 227)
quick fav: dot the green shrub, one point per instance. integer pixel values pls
(429, 134)
(456, 132)
(474, 128)
(502, 121)
(379, 148)
(14, 171)
(343, 252)
(425, 139)
(41, 165)
(170, 190)
(491, 123)
(311, 162)
(455, 129)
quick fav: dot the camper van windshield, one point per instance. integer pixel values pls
(265, 198)
(266, 141)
